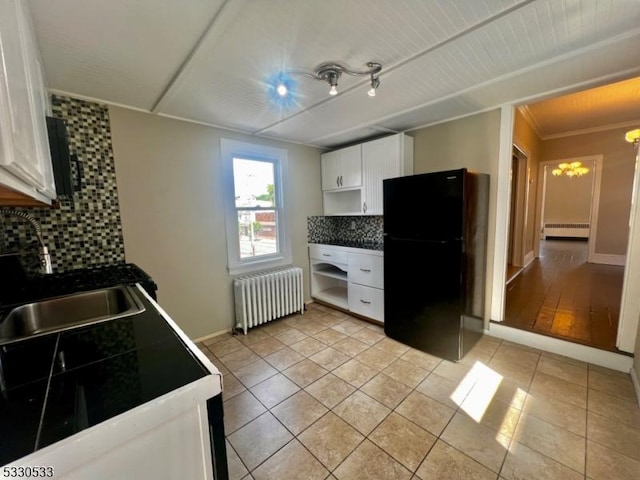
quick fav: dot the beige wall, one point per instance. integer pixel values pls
(473, 143)
(568, 199)
(526, 139)
(617, 179)
(169, 181)
(636, 358)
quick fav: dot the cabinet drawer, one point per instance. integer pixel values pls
(332, 255)
(366, 301)
(366, 269)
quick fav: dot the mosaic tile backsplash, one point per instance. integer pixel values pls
(86, 230)
(332, 230)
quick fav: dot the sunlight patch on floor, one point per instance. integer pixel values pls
(475, 394)
(476, 390)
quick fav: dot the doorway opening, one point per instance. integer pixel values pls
(518, 213)
(563, 293)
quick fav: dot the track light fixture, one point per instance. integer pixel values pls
(330, 72)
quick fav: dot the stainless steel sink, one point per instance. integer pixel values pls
(69, 311)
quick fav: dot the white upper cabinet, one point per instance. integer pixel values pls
(352, 177)
(25, 158)
(342, 169)
(386, 157)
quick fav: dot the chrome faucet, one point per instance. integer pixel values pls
(43, 251)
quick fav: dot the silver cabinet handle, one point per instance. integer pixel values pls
(367, 270)
(341, 184)
(364, 301)
(364, 207)
(338, 180)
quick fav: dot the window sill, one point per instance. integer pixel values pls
(259, 265)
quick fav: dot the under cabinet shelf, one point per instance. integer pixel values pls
(335, 295)
(330, 271)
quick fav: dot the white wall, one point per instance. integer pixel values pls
(170, 185)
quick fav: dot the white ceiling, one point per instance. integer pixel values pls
(208, 60)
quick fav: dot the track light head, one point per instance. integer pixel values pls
(375, 83)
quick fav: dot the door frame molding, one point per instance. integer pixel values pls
(630, 303)
(503, 194)
(521, 204)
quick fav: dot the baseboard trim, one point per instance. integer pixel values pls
(607, 259)
(528, 258)
(603, 358)
(212, 335)
(636, 383)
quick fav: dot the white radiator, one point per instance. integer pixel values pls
(265, 296)
(578, 230)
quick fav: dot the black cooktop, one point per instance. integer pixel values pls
(56, 385)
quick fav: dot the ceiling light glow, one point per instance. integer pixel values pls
(573, 169)
(282, 90)
(633, 136)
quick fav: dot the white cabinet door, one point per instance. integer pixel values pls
(381, 159)
(23, 102)
(330, 179)
(350, 166)
(342, 169)
(39, 101)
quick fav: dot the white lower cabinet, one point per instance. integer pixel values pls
(329, 274)
(349, 278)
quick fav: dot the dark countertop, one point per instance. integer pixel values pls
(17, 288)
(56, 385)
(365, 244)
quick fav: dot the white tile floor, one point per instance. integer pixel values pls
(325, 395)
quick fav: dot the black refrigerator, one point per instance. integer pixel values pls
(435, 250)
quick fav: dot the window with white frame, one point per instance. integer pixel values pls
(257, 234)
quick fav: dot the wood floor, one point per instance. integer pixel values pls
(561, 295)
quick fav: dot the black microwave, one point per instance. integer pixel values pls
(60, 156)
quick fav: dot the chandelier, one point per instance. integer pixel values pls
(573, 169)
(633, 136)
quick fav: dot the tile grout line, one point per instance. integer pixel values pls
(520, 414)
(414, 389)
(365, 437)
(392, 410)
(329, 410)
